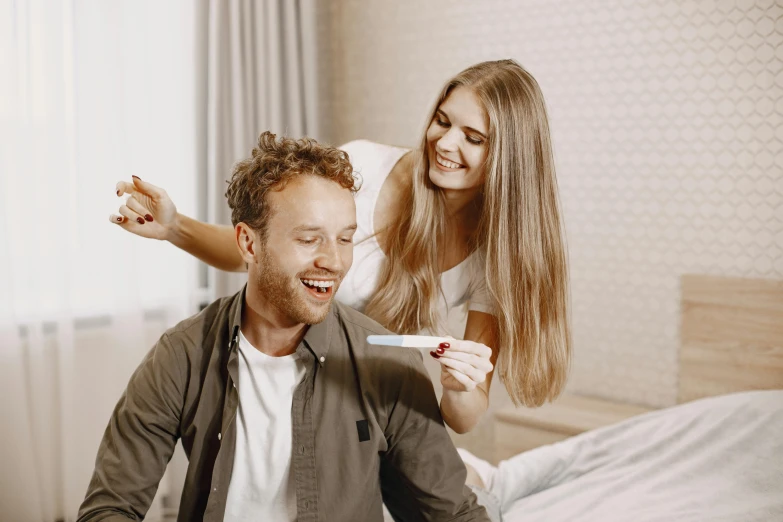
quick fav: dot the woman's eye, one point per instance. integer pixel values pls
(346, 240)
(475, 141)
(308, 241)
(442, 123)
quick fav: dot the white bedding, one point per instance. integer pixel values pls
(717, 459)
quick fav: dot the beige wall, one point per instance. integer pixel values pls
(668, 136)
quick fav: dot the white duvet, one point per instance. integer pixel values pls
(716, 459)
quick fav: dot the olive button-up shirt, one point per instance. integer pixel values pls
(366, 427)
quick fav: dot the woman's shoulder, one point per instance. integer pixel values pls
(372, 161)
(362, 151)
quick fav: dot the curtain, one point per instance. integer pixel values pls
(91, 92)
(259, 74)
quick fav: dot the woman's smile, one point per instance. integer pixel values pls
(446, 164)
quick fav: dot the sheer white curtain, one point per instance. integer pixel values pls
(90, 92)
(260, 74)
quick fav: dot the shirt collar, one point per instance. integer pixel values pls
(235, 317)
(318, 337)
(316, 340)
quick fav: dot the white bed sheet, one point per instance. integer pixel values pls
(716, 459)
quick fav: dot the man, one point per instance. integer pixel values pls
(283, 409)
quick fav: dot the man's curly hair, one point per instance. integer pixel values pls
(274, 162)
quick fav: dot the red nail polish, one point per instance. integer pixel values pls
(435, 355)
(119, 220)
(140, 221)
(148, 217)
(138, 178)
(440, 351)
(118, 192)
(444, 345)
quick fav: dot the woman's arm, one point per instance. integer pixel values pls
(216, 245)
(149, 212)
(466, 372)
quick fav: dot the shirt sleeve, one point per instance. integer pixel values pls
(139, 440)
(479, 299)
(422, 475)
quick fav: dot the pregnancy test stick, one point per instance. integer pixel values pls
(408, 341)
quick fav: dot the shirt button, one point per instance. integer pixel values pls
(322, 359)
(301, 450)
(220, 436)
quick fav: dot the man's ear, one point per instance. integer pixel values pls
(248, 242)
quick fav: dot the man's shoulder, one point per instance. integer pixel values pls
(358, 326)
(356, 320)
(202, 329)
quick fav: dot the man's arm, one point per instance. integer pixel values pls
(139, 439)
(423, 476)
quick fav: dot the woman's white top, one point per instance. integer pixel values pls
(463, 283)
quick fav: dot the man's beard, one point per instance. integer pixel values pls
(285, 295)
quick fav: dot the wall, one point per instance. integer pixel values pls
(667, 126)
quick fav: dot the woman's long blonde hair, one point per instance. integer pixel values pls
(519, 233)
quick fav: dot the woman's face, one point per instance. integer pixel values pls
(457, 141)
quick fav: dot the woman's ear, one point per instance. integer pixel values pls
(247, 242)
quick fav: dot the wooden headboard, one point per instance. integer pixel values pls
(731, 336)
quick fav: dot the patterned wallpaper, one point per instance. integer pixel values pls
(667, 124)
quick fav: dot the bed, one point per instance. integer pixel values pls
(716, 456)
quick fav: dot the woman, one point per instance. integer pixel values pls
(472, 215)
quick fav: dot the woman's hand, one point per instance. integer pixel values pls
(463, 364)
(148, 211)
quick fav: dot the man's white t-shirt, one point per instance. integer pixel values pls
(262, 487)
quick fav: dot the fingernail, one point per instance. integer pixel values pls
(435, 355)
(119, 220)
(444, 345)
(440, 351)
(118, 192)
(138, 178)
(148, 217)
(140, 221)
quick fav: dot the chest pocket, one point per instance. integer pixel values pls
(363, 430)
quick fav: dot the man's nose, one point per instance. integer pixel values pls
(329, 258)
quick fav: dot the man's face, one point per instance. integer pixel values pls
(308, 248)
